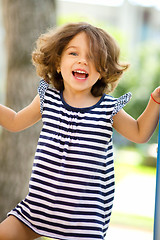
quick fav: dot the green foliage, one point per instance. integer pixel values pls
(61, 20)
(142, 78)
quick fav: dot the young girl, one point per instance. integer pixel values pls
(71, 188)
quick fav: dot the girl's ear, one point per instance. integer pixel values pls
(58, 65)
(100, 76)
(58, 70)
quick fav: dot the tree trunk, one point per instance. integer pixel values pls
(24, 21)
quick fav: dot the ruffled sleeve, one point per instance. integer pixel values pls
(120, 103)
(43, 85)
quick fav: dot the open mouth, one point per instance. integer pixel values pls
(81, 75)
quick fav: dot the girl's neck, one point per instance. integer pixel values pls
(80, 100)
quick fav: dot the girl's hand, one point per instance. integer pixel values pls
(156, 95)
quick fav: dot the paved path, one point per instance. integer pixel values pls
(121, 233)
(135, 194)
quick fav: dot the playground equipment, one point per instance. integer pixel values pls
(156, 234)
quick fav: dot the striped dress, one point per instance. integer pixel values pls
(71, 189)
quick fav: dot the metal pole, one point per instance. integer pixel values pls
(156, 235)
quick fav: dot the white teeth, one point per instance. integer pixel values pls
(78, 71)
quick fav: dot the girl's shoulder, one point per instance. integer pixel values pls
(46, 89)
(116, 104)
(43, 86)
(120, 100)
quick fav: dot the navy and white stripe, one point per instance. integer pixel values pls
(71, 188)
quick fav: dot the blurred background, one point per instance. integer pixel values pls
(135, 24)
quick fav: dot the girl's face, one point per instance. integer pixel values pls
(77, 67)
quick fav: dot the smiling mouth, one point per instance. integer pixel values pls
(81, 75)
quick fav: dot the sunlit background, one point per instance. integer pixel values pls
(136, 26)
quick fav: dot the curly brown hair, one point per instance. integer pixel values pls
(103, 48)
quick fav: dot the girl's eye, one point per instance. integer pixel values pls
(73, 53)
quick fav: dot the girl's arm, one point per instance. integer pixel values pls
(25, 118)
(139, 130)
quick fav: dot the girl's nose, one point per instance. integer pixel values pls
(82, 60)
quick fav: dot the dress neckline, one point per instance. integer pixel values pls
(76, 109)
